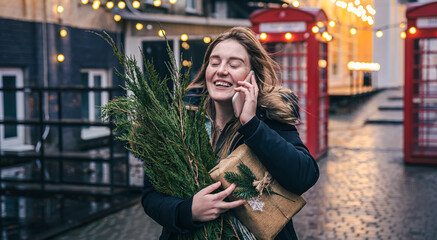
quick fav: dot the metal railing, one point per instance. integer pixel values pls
(42, 156)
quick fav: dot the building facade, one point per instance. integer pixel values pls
(42, 46)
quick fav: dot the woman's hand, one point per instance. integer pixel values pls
(250, 91)
(207, 206)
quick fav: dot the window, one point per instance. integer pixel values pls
(12, 108)
(221, 9)
(157, 50)
(192, 6)
(93, 100)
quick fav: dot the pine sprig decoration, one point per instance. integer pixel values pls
(244, 182)
(171, 141)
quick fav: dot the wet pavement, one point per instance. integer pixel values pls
(365, 191)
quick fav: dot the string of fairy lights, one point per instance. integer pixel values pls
(120, 5)
(365, 13)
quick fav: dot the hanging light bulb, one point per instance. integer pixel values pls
(110, 4)
(403, 35)
(353, 31)
(60, 58)
(323, 63)
(117, 17)
(412, 30)
(332, 23)
(96, 4)
(288, 36)
(325, 35)
(157, 3)
(60, 9)
(379, 33)
(263, 36)
(315, 29)
(121, 5)
(84, 1)
(139, 26)
(185, 45)
(206, 40)
(184, 37)
(136, 4)
(370, 9)
(173, 1)
(161, 33)
(63, 33)
(295, 4)
(402, 25)
(357, 2)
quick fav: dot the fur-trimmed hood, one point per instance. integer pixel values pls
(280, 105)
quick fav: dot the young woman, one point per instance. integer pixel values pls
(266, 125)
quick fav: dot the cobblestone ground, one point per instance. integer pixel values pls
(365, 191)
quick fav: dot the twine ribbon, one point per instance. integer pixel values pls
(263, 183)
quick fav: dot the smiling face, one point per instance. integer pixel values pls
(228, 63)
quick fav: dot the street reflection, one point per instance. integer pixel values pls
(29, 213)
(35, 216)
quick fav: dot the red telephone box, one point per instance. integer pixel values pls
(293, 37)
(420, 90)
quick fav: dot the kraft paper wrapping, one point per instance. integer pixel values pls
(277, 210)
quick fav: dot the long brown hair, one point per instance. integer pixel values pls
(261, 63)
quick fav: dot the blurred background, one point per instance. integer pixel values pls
(365, 72)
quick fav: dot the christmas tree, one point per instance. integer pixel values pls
(169, 138)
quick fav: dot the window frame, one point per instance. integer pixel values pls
(193, 9)
(17, 141)
(93, 131)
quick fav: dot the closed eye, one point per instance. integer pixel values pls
(214, 62)
(235, 63)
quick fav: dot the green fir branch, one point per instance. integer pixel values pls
(171, 141)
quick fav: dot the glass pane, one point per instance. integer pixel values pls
(193, 52)
(424, 99)
(97, 97)
(191, 4)
(10, 109)
(154, 50)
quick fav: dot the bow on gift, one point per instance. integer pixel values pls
(263, 183)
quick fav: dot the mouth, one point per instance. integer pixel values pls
(221, 83)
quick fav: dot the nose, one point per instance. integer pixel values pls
(222, 70)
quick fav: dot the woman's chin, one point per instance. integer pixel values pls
(222, 100)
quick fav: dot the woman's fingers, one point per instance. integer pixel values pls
(244, 90)
(207, 206)
(229, 205)
(211, 188)
(246, 84)
(225, 193)
(253, 81)
(251, 87)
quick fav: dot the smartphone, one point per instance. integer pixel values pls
(238, 98)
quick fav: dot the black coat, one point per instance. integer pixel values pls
(279, 148)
